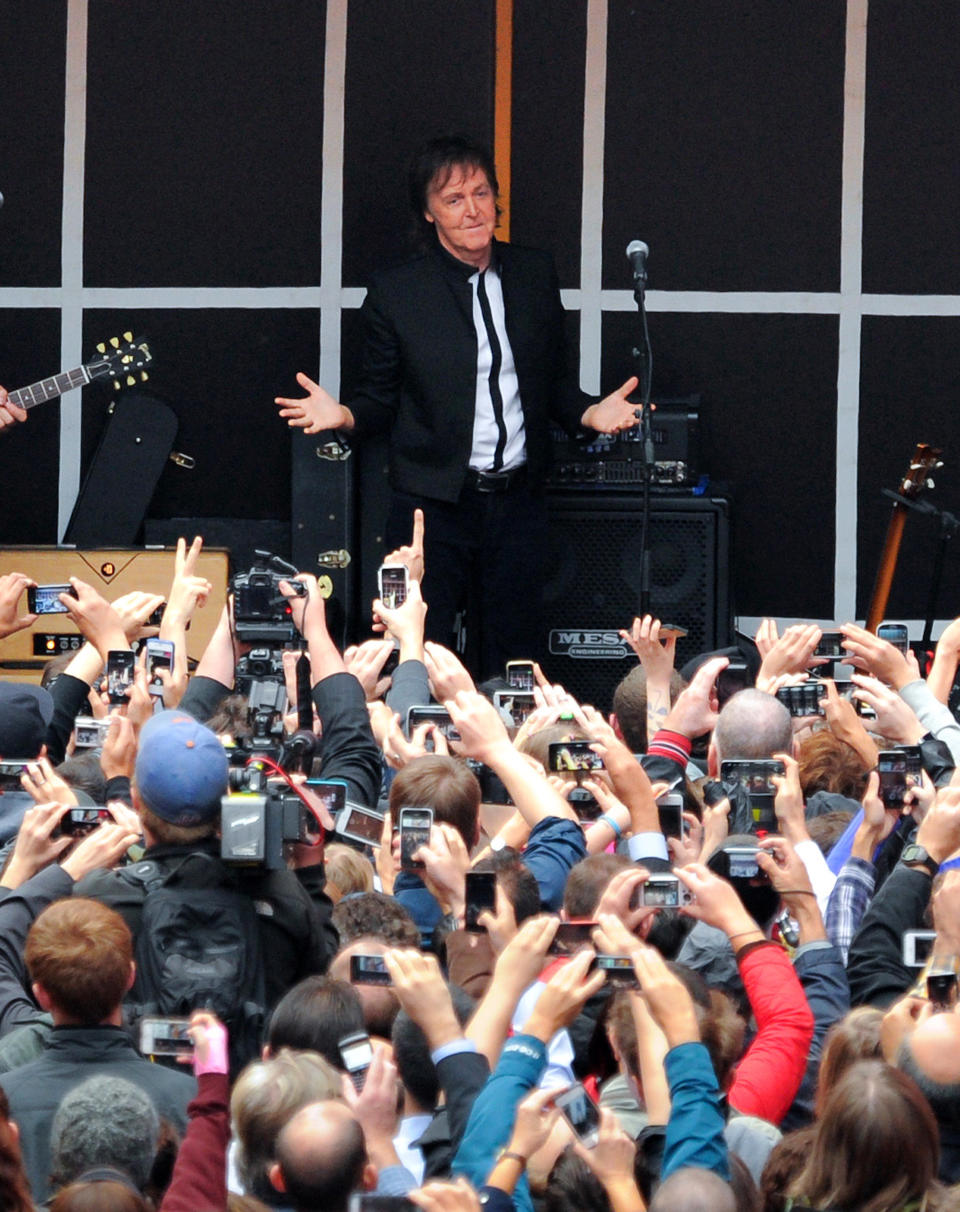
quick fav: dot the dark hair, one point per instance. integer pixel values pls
(445, 784)
(877, 1145)
(232, 717)
(14, 1187)
(321, 1177)
(411, 1052)
(588, 881)
(852, 1038)
(787, 1158)
(572, 1184)
(517, 882)
(84, 773)
(630, 706)
(431, 167)
(374, 915)
(828, 828)
(314, 1016)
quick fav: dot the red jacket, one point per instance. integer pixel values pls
(769, 1076)
(199, 1182)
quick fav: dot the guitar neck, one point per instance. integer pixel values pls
(49, 389)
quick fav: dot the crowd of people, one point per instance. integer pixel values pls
(732, 1014)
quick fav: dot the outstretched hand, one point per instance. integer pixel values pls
(614, 412)
(315, 411)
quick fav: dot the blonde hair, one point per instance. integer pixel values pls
(347, 870)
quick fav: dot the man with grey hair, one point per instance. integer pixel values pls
(693, 1190)
(104, 1122)
(752, 724)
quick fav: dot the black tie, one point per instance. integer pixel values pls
(496, 357)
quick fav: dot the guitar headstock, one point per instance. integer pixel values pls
(926, 459)
(121, 360)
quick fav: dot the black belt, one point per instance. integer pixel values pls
(496, 481)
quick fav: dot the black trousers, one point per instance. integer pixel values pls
(486, 554)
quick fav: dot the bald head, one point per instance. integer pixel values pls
(694, 1191)
(935, 1046)
(321, 1157)
(752, 724)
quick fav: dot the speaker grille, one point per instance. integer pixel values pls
(594, 584)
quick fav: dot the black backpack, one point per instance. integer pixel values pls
(198, 947)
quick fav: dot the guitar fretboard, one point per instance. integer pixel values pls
(47, 389)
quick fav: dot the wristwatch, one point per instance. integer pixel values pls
(915, 856)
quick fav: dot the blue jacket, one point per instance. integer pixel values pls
(695, 1128)
(556, 844)
(521, 1064)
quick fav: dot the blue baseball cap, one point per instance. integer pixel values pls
(181, 769)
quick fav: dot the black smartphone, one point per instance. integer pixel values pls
(830, 646)
(438, 716)
(520, 675)
(571, 756)
(369, 970)
(45, 599)
(741, 863)
(333, 795)
(730, 681)
(356, 1053)
(78, 822)
(481, 897)
(619, 970)
(895, 634)
(805, 699)
(899, 770)
(119, 674)
(159, 656)
(572, 937)
(415, 826)
(670, 811)
(392, 583)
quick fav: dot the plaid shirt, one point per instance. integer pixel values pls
(848, 902)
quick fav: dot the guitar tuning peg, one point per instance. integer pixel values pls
(144, 376)
(116, 385)
(130, 380)
(115, 342)
(930, 483)
(128, 336)
(101, 348)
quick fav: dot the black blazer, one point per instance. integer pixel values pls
(420, 365)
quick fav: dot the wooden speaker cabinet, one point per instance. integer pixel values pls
(112, 572)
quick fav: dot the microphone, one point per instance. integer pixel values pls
(637, 253)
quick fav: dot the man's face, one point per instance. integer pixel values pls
(464, 210)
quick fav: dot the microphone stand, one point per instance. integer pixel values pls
(643, 359)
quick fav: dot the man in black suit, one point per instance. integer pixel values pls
(465, 364)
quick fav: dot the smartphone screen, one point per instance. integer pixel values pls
(755, 775)
(159, 656)
(360, 824)
(520, 675)
(619, 970)
(165, 1036)
(517, 703)
(899, 770)
(369, 970)
(119, 674)
(481, 897)
(895, 634)
(830, 646)
(438, 716)
(415, 825)
(582, 1113)
(392, 583)
(45, 599)
(572, 756)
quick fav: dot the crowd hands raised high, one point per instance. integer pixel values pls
(717, 1016)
